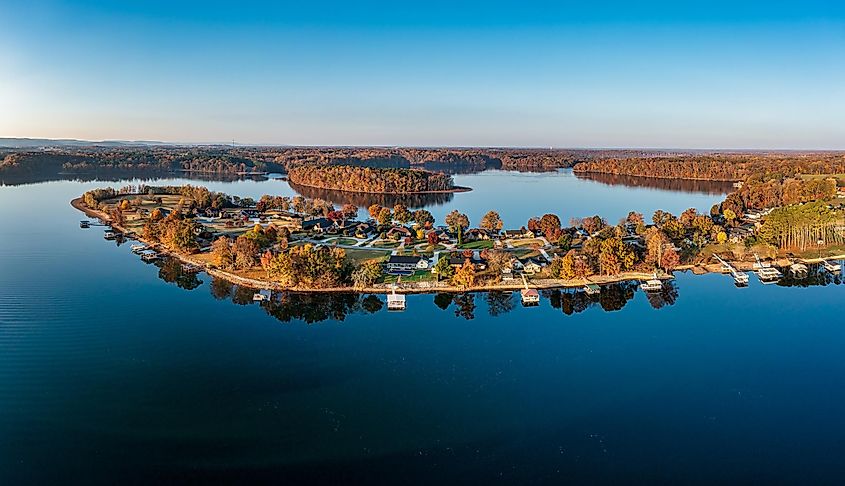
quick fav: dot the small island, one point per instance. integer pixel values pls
(350, 178)
(782, 219)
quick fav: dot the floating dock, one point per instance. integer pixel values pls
(592, 289)
(652, 285)
(395, 301)
(831, 266)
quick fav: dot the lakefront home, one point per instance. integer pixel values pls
(317, 225)
(406, 263)
(519, 233)
(457, 259)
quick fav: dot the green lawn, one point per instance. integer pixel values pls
(342, 241)
(385, 244)
(418, 276)
(477, 245)
(360, 256)
(528, 242)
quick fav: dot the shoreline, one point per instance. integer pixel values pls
(432, 287)
(453, 190)
(406, 288)
(702, 179)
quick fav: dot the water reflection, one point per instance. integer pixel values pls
(172, 271)
(667, 296)
(120, 175)
(816, 276)
(364, 200)
(318, 307)
(703, 187)
(613, 297)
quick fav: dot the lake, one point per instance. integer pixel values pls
(116, 371)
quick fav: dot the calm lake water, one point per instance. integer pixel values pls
(115, 371)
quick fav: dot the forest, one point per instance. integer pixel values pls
(717, 166)
(369, 180)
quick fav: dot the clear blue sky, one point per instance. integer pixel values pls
(718, 74)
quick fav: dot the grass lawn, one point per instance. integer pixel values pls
(360, 256)
(528, 242)
(343, 241)
(418, 276)
(477, 245)
(385, 244)
(525, 253)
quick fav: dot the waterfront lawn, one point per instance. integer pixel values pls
(418, 276)
(477, 245)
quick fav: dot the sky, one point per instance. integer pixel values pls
(668, 74)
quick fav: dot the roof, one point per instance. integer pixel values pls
(320, 222)
(404, 259)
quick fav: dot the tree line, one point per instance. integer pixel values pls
(367, 179)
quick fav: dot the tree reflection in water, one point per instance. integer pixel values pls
(817, 276)
(170, 270)
(613, 297)
(465, 306)
(683, 185)
(317, 307)
(499, 303)
(665, 297)
(364, 200)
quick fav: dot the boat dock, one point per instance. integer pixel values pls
(766, 272)
(652, 285)
(831, 266)
(592, 289)
(740, 278)
(529, 296)
(395, 301)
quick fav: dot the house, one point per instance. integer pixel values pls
(457, 259)
(318, 225)
(532, 266)
(476, 234)
(406, 264)
(442, 235)
(365, 230)
(398, 232)
(520, 233)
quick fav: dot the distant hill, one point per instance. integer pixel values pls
(30, 143)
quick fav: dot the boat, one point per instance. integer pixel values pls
(768, 274)
(592, 289)
(652, 285)
(85, 224)
(111, 235)
(395, 301)
(138, 248)
(149, 257)
(262, 296)
(831, 267)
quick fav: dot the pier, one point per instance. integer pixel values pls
(740, 278)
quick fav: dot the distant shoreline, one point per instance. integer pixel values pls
(454, 189)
